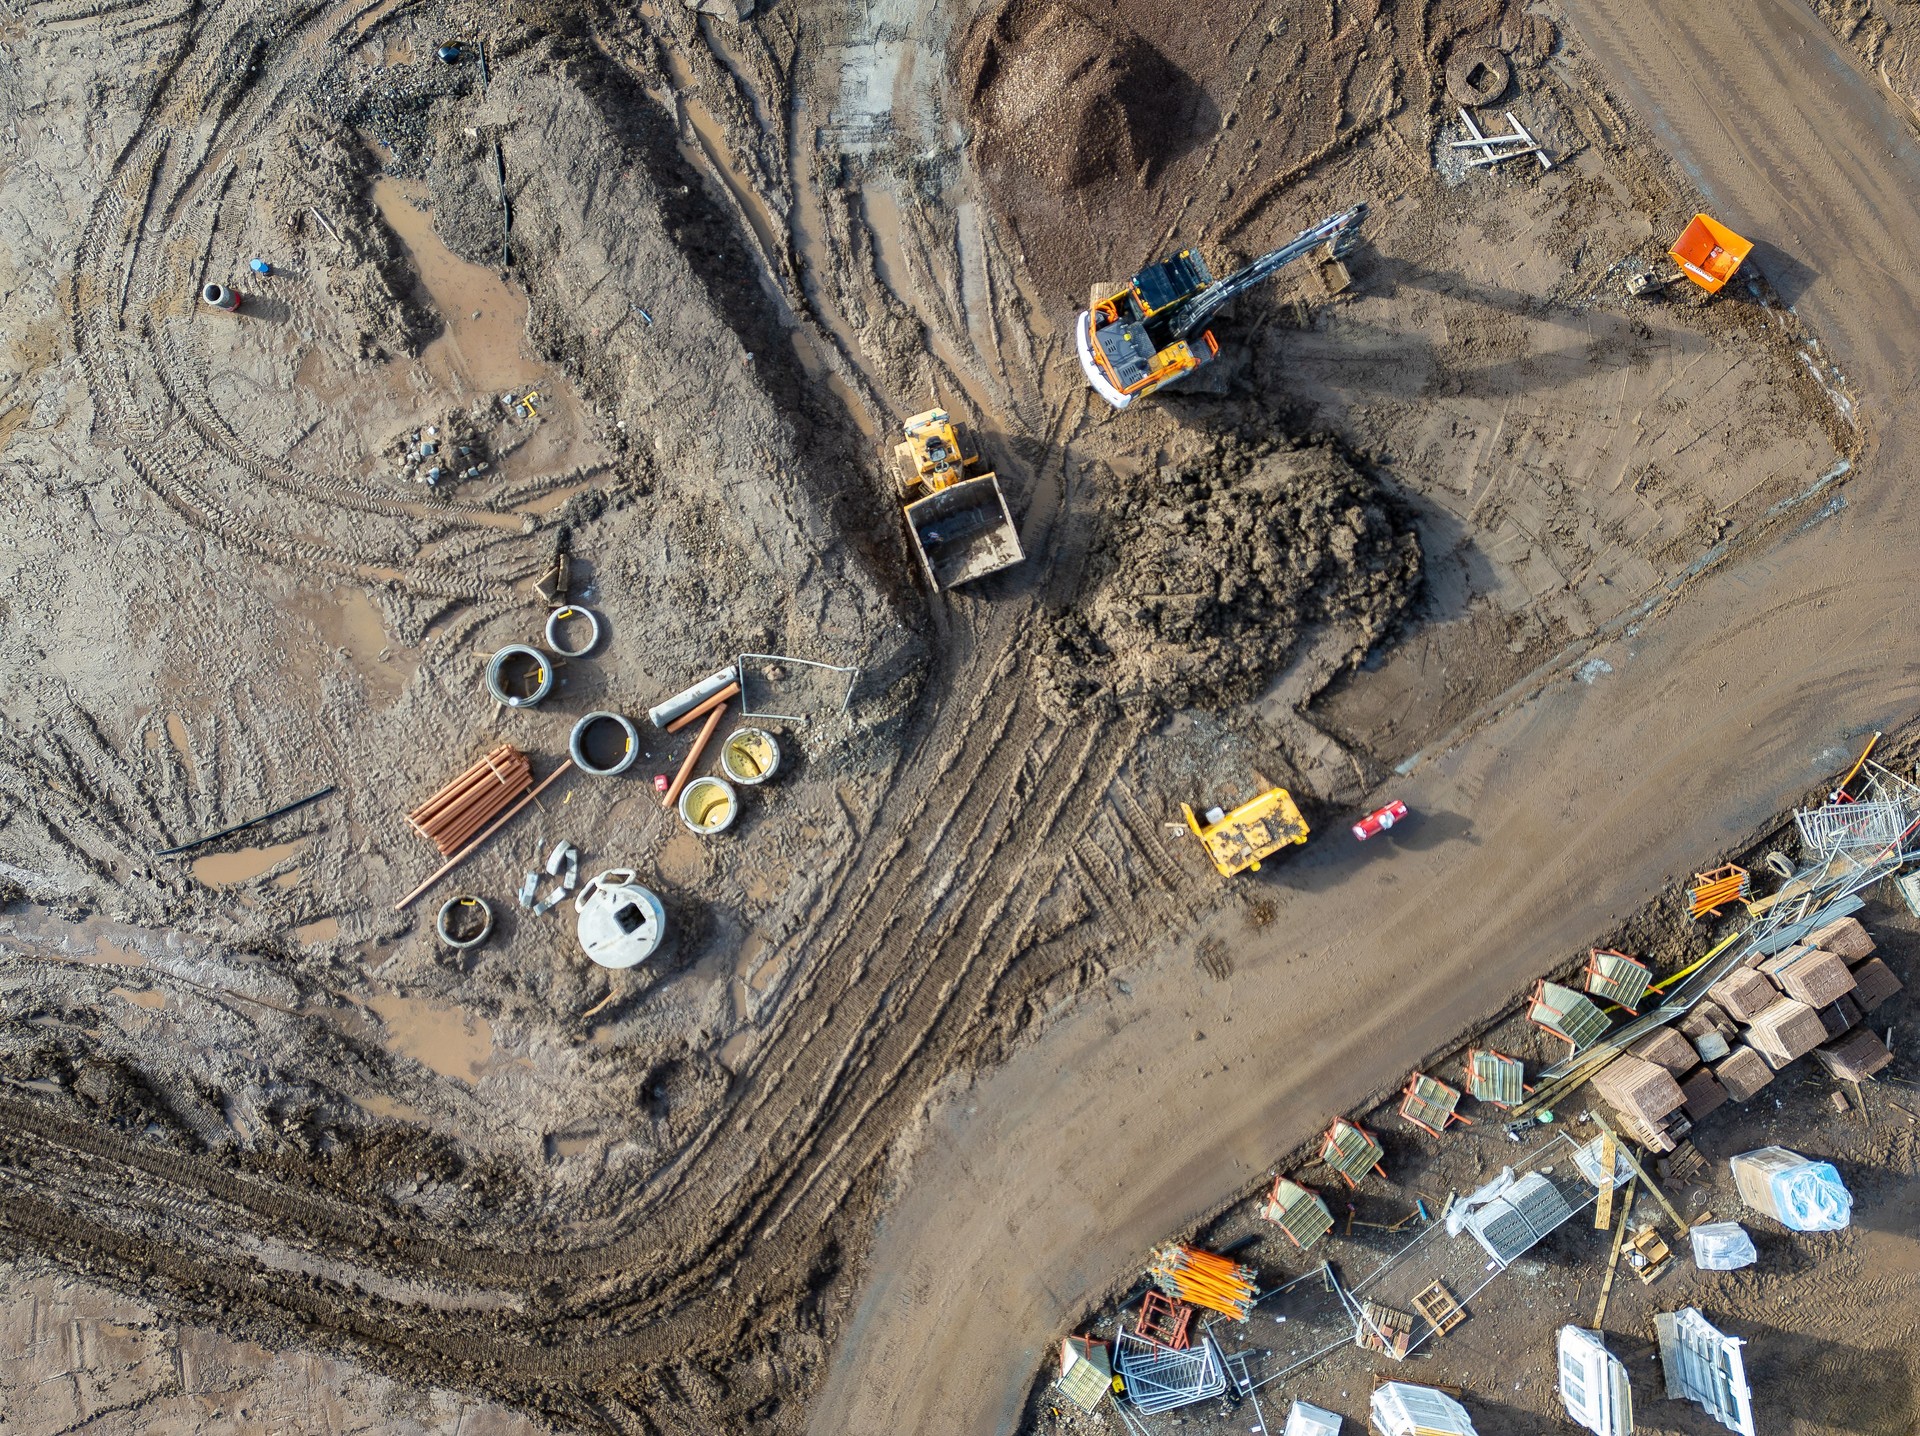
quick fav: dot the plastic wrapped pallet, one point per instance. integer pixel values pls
(1873, 984)
(1587, 1159)
(1855, 1057)
(1786, 1031)
(1744, 994)
(1639, 1087)
(1816, 979)
(1743, 1074)
(1844, 936)
(1722, 1246)
(1667, 1048)
(1802, 1195)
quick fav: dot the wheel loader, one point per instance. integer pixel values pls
(957, 518)
(1154, 330)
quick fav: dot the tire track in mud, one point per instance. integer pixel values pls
(150, 387)
(899, 967)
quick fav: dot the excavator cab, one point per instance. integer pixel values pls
(1133, 336)
(1153, 330)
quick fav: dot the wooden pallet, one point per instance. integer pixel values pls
(1437, 1305)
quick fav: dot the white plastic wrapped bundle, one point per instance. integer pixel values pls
(1723, 1246)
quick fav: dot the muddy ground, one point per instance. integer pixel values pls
(246, 1095)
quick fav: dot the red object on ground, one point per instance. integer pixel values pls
(1379, 820)
(661, 782)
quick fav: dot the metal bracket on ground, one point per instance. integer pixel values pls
(746, 706)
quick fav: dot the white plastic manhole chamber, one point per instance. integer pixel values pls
(620, 923)
(709, 806)
(750, 756)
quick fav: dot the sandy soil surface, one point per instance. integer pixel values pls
(81, 1359)
(243, 1094)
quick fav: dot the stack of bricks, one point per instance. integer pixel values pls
(1844, 937)
(1787, 1030)
(1816, 978)
(1703, 1093)
(1854, 1058)
(1840, 1016)
(1666, 1048)
(1639, 1089)
(1704, 1018)
(1743, 1074)
(1873, 984)
(1744, 994)
(1769, 965)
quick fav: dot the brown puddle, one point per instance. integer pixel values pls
(453, 1043)
(177, 732)
(483, 354)
(150, 998)
(391, 1110)
(324, 929)
(223, 869)
(348, 620)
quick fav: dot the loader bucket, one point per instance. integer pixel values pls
(1709, 252)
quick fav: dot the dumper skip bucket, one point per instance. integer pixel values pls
(1709, 252)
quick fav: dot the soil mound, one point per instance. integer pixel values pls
(1065, 96)
(1212, 573)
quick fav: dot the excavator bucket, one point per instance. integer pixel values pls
(1709, 253)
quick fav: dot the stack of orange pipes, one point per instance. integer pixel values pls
(1204, 1279)
(474, 799)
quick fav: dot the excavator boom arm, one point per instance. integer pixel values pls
(1195, 316)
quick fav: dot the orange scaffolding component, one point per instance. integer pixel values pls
(1709, 253)
(1164, 1320)
(1713, 891)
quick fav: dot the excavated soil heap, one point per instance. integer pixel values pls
(1065, 96)
(1211, 573)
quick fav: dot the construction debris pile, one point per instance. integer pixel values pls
(1212, 572)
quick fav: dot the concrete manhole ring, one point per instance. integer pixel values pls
(1477, 75)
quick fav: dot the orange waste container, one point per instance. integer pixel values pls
(1709, 252)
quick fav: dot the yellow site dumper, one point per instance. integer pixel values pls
(959, 521)
(1237, 841)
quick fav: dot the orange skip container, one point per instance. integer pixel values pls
(1709, 252)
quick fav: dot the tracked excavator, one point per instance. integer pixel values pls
(1145, 336)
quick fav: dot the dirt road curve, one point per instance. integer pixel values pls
(1053, 1175)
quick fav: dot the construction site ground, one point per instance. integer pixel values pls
(956, 1022)
(1829, 1319)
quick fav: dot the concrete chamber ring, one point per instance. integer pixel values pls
(1477, 75)
(507, 687)
(577, 745)
(464, 907)
(560, 616)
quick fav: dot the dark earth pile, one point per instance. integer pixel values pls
(1211, 574)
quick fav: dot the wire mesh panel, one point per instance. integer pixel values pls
(1845, 827)
(1159, 1378)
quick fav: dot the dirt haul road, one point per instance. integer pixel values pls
(1050, 1179)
